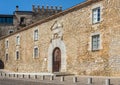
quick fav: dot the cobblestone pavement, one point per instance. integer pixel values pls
(23, 82)
(68, 80)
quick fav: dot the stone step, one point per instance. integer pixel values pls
(42, 73)
(62, 74)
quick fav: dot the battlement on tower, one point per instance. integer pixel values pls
(20, 18)
(43, 9)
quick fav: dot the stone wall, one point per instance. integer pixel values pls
(112, 23)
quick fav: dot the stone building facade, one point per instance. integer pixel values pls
(83, 40)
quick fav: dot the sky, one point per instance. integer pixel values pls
(8, 6)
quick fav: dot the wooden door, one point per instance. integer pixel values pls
(1, 64)
(56, 60)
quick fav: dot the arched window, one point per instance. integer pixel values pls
(36, 52)
(18, 40)
(36, 34)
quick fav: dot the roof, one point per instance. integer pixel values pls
(6, 15)
(79, 6)
(22, 12)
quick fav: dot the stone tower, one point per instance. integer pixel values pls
(20, 19)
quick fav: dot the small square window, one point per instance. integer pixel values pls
(95, 42)
(10, 31)
(96, 15)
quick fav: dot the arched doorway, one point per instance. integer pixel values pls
(56, 59)
(1, 64)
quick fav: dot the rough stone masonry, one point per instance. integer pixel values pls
(68, 35)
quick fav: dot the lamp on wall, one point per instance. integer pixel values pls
(45, 59)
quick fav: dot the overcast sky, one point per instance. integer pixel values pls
(8, 6)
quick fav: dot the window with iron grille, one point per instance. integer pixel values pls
(95, 42)
(36, 34)
(6, 44)
(17, 55)
(35, 52)
(17, 40)
(96, 15)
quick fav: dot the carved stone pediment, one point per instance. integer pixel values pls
(57, 30)
(56, 25)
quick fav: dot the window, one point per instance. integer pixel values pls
(95, 42)
(35, 52)
(17, 40)
(6, 44)
(36, 34)
(10, 31)
(22, 20)
(6, 57)
(17, 55)
(96, 15)
(6, 20)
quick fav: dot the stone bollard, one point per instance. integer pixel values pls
(62, 78)
(13, 75)
(23, 76)
(51, 77)
(9, 75)
(1, 74)
(42, 77)
(74, 79)
(29, 76)
(5, 74)
(107, 82)
(35, 76)
(89, 81)
(17, 75)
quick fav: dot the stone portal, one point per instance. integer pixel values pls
(57, 50)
